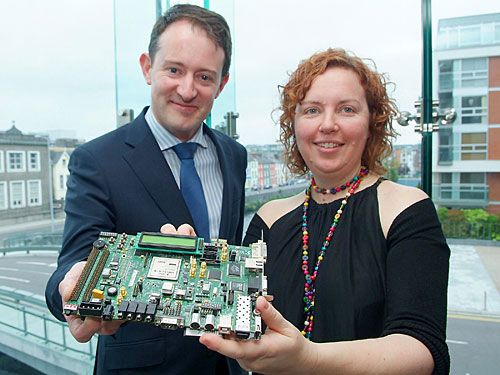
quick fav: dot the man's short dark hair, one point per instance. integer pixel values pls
(213, 23)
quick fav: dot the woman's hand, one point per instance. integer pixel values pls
(281, 350)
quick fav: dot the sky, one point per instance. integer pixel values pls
(58, 68)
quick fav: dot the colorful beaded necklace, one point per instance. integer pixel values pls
(309, 286)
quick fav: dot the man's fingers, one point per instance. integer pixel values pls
(110, 328)
(168, 229)
(186, 229)
(67, 285)
(83, 330)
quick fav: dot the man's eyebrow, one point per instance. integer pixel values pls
(167, 63)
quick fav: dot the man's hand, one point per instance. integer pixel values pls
(184, 229)
(83, 330)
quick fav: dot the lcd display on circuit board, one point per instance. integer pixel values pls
(168, 241)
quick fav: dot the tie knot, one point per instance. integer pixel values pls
(185, 150)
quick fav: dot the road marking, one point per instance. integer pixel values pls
(9, 269)
(15, 279)
(475, 317)
(457, 342)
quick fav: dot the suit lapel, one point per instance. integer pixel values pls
(150, 166)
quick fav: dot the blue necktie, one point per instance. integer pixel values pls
(191, 188)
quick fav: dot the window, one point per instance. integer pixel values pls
(445, 100)
(446, 75)
(474, 109)
(470, 35)
(474, 146)
(17, 194)
(472, 186)
(34, 161)
(445, 145)
(446, 178)
(446, 187)
(3, 196)
(34, 193)
(15, 161)
(1, 161)
(472, 178)
(61, 181)
(474, 72)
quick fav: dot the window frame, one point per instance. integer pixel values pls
(5, 195)
(23, 161)
(11, 191)
(37, 168)
(28, 193)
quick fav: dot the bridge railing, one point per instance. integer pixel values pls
(27, 314)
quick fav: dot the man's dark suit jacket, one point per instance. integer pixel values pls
(120, 182)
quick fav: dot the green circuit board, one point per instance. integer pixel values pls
(173, 282)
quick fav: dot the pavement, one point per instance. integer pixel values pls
(474, 282)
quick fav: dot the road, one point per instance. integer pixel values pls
(474, 343)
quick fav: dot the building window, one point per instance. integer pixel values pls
(3, 196)
(34, 193)
(474, 109)
(446, 75)
(474, 73)
(473, 146)
(61, 181)
(445, 145)
(445, 100)
(472, 186)
(470, 35)
(15, 161)
(472, 178)
(446, 186)
(34, 161)
(1, 161)
(17, 194)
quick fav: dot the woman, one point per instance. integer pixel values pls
(357, 265)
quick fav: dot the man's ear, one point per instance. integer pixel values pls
(222, 84)
(145, 62)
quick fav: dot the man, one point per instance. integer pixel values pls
(127, 181)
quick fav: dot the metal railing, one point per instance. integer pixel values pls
(475, 231)
(27, 314)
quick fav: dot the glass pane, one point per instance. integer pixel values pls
(472, 178)
(473, 138)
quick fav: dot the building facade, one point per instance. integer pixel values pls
(466, 163)
(24, 177)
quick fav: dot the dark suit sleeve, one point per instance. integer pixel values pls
(88, 211)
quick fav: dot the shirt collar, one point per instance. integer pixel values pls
(167, 140)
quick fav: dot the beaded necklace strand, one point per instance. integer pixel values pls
(309, 286)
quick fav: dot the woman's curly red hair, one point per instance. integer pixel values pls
(382, 108)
